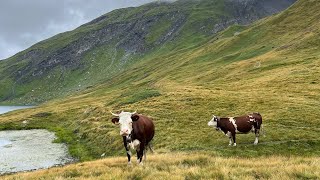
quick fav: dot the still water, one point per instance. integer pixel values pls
(4, 109)
(26, 150)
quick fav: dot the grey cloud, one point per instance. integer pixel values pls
(23, 23)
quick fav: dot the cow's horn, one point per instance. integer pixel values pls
(134, 112)
(114, 114)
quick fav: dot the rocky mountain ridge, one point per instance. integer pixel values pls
(117, 39)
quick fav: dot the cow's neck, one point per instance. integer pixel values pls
(221, 125)
(131, 137)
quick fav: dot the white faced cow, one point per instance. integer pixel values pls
(136, 130)
(242, 124)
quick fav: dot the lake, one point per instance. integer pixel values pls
(4, 109)
(25, 150)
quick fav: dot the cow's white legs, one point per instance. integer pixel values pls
(257, 132)
(233, 135)
(229, 134)
(140, 152)
(129, 154)
(126, 146)
(230, 138)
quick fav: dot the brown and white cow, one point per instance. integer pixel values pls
(233, 125)
(137, 131)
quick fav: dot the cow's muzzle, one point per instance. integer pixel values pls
(124, 134)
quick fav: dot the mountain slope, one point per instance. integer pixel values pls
(271, 67)
(100, 49)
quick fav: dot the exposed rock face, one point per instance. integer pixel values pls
(127, 30)
(130, 35)
(247, 11)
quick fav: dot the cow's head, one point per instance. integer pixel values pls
(213, 122)
(125, 119)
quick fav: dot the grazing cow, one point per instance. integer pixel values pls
(242, 124)
(137, 131)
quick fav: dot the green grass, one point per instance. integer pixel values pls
(137, 96)
(102, 62)
(158, 30)
(181, 88)
(184, 166)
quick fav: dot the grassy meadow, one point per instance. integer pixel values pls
(271, 67)
(185, 166)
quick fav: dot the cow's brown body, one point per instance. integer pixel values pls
(143, 130)
(139, 137)
(242, 124)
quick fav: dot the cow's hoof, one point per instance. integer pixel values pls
(141, 164)
(255, 143)
(235, 144)
(129, 163)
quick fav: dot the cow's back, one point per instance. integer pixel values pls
(143, 128)
(243, 124)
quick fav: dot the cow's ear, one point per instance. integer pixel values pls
(135, 117)
(115, 120)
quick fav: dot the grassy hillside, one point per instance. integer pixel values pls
(271, 67)
(97, 51)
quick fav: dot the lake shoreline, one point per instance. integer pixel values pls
(5, 143)
(7, 109)
(39, 169)
(30, 150)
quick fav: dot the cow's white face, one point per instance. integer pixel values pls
(213, 122)
(125, 121)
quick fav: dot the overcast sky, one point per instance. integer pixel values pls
(25, 22)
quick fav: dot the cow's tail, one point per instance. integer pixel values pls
(150, 147)
(262, 131)
(257, 116)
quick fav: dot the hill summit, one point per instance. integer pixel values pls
(103, 48)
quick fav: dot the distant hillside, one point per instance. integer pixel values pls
(105, 47)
